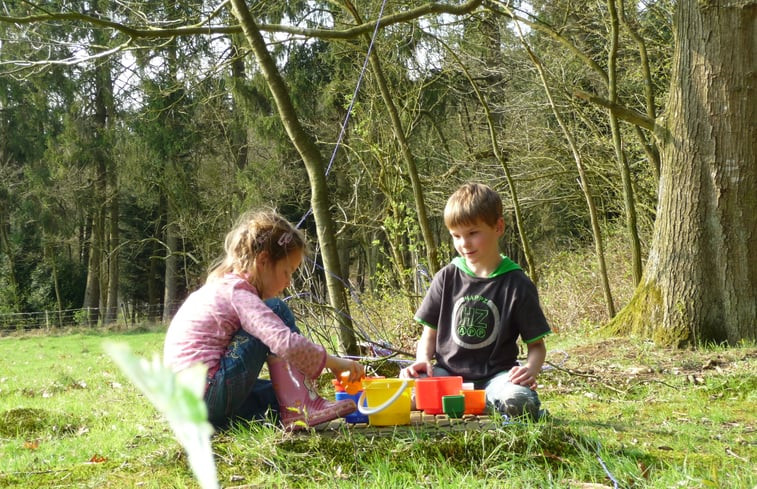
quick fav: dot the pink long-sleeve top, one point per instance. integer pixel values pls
(203, 327)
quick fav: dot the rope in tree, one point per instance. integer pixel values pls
(382, 347)
(352, 104)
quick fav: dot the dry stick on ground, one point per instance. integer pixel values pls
(658, 381)
(580, 374)
(588, 376)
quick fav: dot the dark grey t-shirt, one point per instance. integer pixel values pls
(479, 319)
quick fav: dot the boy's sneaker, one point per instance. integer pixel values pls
(528, 409)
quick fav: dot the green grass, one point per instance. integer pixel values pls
(654, 418)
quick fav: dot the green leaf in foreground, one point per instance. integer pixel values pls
(178, 396)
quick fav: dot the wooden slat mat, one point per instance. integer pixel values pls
(418, 422)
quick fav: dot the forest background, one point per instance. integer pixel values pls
(132, 134)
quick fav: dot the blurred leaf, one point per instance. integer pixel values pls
(178, 396)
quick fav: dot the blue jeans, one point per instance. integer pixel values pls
(503, 396)
(235, 392)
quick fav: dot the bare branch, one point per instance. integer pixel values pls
(23, 64)
(552, 34)
(622, 112)
(202, 27)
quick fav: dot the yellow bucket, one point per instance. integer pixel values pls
(388, 401)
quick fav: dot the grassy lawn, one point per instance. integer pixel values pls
(623, 414)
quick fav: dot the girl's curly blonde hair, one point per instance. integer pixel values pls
(254, 233)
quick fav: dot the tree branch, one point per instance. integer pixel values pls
(505, 10)
(23, 64)
(628, 115)
(201, 28)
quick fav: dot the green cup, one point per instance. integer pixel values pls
(453, 406)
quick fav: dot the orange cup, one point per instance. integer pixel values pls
(475, 401)
(350, 388)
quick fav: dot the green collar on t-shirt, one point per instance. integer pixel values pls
(506, 265)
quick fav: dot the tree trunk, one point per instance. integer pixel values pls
(95, 296)
(7, 249)
(105, 118)
(92, 289)
(56, 284)
(314, 166)
(595, 229)
(432, 252)
(153, 284)
(111, 310)
(170, 285)
(620, 153)
(701, 276)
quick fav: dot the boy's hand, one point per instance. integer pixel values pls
(416, 369)
(425, 351)
(522, 375)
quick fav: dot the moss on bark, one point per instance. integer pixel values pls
(644, 316)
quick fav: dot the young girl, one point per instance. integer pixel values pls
(233, 325)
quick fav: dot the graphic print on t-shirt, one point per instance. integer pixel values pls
(474, 322)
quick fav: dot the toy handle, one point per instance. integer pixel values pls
(375, 410)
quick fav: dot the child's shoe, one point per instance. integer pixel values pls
(300, 406)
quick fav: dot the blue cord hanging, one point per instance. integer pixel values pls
(352, 104)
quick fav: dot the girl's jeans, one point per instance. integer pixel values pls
(505, 397)
(235, 392)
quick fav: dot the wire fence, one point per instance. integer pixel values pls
(373, 325)
(126, 315)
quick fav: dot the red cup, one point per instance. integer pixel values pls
(430, 390)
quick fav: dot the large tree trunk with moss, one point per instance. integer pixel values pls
(701, 276)
(313, 160)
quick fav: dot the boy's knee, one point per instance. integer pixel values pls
(513, 400)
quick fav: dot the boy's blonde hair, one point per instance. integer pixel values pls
(256, 232)
(471, 203)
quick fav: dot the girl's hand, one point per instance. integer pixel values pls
(338, 365)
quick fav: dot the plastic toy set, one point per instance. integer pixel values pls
(387, 402)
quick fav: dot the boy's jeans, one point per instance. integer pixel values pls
(235, 392)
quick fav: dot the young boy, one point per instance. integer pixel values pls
(476, 308)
